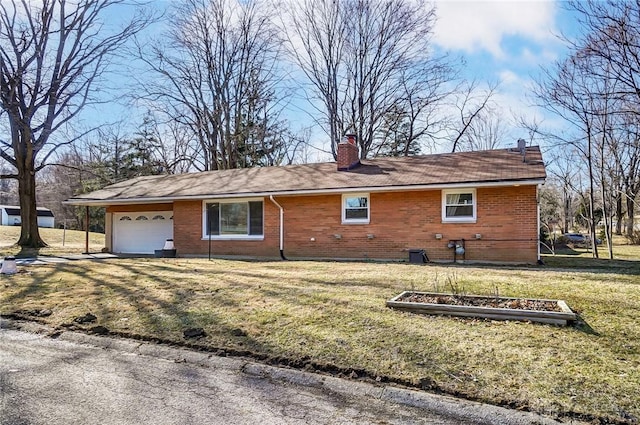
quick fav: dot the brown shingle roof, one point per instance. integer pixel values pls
(499, 166)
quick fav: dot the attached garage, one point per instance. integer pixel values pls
(141, 232)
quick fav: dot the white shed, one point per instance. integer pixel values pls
(10, 216)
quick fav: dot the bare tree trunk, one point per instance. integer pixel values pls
(619, 213)
(630, 214)
(565, 211)
(29, 231)
(605, 192)
(592, 200)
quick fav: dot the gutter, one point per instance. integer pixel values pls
(281, 226)
(340, 190)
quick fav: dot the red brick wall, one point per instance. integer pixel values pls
(402, 221)
(506, 221)
(347, 156)
(187, 233)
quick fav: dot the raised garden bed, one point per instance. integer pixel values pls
(497, 308)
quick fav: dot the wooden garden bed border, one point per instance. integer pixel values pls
(561, 318)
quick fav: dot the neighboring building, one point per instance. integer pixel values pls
(484, 201)
(10, 216)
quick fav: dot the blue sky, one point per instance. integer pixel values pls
(505, 42)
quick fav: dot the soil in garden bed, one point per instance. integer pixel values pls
(516, 304)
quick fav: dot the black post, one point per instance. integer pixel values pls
(86, 228)
(209, 228)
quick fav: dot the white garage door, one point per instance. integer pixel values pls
(141, 232)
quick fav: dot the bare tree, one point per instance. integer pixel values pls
(607, 60)
(568, 91)
(53, 54)
(626, 152)
(317, 39)
(370, 65)
(604, 143)
(416, 118)
(487, 131)
(472, 106)
(8, 187)
(217, 74)
(550, 200)
(60, 181)
(612, 35)
(566, 175)
(177, 150)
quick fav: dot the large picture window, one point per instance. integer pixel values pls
(355, 208)
(459, 205)
(233, 219)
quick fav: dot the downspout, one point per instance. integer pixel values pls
(281, 226)
(538, 211)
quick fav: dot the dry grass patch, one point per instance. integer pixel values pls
(581, 256)
(334, 314)
(67, 242)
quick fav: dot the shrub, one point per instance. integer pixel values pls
(634, 238)
(544, 235)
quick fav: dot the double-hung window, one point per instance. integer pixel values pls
(459, 206)
(237, 219)
(355, 208)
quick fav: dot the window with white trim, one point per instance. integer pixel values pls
(355, 208)
(237, 219)
(459, 205)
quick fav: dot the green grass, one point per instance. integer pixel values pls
(327, 314)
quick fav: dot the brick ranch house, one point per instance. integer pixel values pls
(383, 208)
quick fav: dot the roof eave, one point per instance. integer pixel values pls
(327, 191)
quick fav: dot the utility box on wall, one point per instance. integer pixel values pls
(418, 256)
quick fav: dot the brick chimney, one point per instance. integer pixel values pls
(348, 157)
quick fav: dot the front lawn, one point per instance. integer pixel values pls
(60, 242)
(332, 316)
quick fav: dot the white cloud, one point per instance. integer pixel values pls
(530, 58)
(482, 25)
(508, 77)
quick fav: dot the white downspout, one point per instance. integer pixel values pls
(538, 207)
(281, 226)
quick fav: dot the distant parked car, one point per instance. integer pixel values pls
(579, 239)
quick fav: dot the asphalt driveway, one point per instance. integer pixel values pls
(80, 379)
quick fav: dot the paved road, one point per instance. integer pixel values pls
(80, 379)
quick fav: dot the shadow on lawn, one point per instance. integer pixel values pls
(583, 326)
(592, 265)
(161, 305)
(566, 260)
(162, 309)
(25, 252)
(21, 252)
